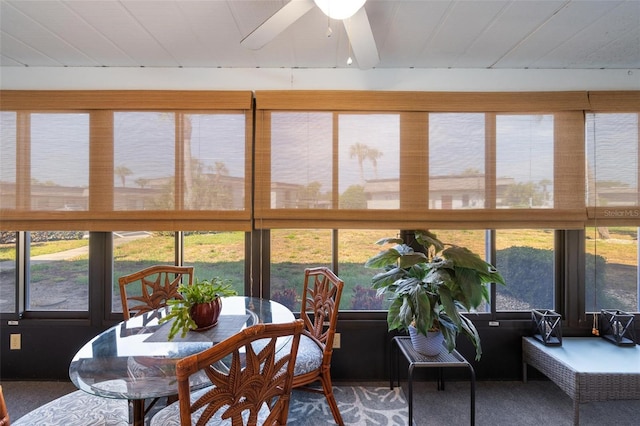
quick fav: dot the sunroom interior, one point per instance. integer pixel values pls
(139, 133)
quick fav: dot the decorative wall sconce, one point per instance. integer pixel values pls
(547, 327)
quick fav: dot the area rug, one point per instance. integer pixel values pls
(359, 405)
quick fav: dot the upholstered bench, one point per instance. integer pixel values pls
(586, 368)
(78, 409)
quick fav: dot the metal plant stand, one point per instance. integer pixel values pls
(417, 360)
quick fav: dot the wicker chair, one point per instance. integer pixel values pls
(256, 389)
(319, 310)
(156, 285)
(4, 413)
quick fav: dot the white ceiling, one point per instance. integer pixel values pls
(485, 34)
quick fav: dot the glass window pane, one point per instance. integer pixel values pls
(355, 246)
(369, 161)
(611, 265)
(292, 251)
(301, 160)
(214, 179)
(612, 160)
(133, 251)
(144, 161)
(216, 254)
(59, 271)
(456, 161)
(525, 258)
(524, 161)
(8, 138)
(473, 240)
(59, 161)
(8, 272)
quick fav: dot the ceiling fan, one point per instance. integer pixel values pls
(351, 12)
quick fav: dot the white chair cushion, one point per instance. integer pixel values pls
(78, 409)
(170, 415)
(309, 357)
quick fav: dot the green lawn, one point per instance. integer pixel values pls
(222, 254)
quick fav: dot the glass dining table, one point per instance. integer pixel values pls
(134, 359)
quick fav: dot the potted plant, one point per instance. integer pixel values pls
(429, 285)
(199, 307)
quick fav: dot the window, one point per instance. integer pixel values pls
(59, 161)
(611, 273)
(369, 161)
(8, 159)
(483, 162)
(216, 254)
(613, 198)
(212, 254)
(136, 250)
(58, 271)
(355, 246)
(8, 272)
(474, 240)
(612, 163)
(292, 251)
(215, 179)
(165, 160)
(331, 171)
(456, 161)
(144, 161)
(302, 159)
(147, 155)
(524, 161)
(525, 258)
(49, 168)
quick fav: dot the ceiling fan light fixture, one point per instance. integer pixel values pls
(339, 9)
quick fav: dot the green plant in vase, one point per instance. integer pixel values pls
(428, 287)
(199, 307)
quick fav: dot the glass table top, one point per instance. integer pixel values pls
(134, 359)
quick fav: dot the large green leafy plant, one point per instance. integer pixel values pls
(204, 291)
(428, 286)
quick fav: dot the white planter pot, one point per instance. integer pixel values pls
(429, 345)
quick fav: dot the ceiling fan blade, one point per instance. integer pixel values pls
(361, 39)
(277, 23)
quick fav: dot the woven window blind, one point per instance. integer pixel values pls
(343, 159)
(178, 160)
(613, 162)
(126, 160)
(613, 159)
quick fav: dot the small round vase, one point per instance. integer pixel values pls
(429, 345)
(205, 315)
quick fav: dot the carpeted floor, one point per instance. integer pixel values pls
(364, 404)
(358, 405)
(514, 403)
(538, 402)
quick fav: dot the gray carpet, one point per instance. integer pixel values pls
(506, 403)
(22, 397)
(497, 404)
(364, 404)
